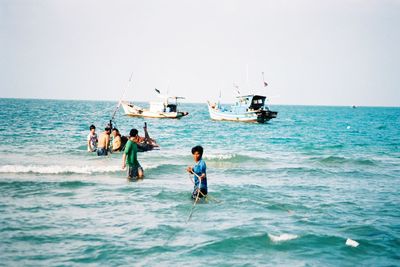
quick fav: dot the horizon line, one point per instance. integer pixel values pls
(190, 102)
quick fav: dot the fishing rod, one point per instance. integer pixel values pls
(119, 102)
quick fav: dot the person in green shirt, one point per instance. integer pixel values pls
(129, 158)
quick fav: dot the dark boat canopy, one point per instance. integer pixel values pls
(257, 102)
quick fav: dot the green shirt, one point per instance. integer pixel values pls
(131, 153)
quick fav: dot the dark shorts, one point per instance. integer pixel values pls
(102, 152)
(133, 171)
(203, 190)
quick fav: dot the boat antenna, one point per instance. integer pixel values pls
(237, 88)
(122, 97)
(247, 76)
(168, 87)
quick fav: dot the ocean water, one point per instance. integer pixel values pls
(288, 193)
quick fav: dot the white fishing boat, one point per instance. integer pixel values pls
(247, 108)
(167, 108)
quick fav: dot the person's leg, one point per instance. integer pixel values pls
(140, 172)
(101, 152)
(203, 192)
(129, 172)
(147, 137)
(146, 133)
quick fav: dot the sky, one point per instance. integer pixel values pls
(312, 52)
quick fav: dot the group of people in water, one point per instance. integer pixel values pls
(111, 141)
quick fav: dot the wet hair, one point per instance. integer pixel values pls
(92, 127)
(198, 149)
(107, 129)
(133, 133)
(116, 130)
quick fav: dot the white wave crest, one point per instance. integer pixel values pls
(219, 156)
(282, 237)
(57, 169)
(352, 243)
(67, 169)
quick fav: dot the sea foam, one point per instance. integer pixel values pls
(57, 169)
(67, 169)
(282, 237)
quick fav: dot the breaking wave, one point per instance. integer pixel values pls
(58, 169)
(232, 157)
(220, 156)
(282, 237)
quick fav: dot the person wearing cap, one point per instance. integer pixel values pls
(104, 142)
(129, 158)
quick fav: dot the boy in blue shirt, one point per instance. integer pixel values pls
(199, 171)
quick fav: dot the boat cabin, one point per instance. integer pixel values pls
(257, 102)
(248, 103)
(168, 105)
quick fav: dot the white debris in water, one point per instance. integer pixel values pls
(282, 237)
(352, 243)
(348, 127)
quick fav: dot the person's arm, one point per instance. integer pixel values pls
(128, 147)
(107, 145)
(123, 161)
(89, 145)
(203, 170)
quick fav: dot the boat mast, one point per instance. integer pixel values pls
(247, 77)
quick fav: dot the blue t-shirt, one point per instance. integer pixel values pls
(199, 169)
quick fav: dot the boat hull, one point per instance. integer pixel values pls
(260, 116)
(136, 111)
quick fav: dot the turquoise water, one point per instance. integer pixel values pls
(313, 177)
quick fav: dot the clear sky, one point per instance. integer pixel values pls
(331, 52)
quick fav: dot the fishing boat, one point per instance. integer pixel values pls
(247, 108)
(167, 108)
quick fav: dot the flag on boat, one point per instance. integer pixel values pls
(265, 83)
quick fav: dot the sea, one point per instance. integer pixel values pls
(291, 192)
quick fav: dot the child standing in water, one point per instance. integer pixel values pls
(199, 171)
(92, 139)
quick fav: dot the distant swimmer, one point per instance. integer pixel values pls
(116, 140)
(104, 142)
(129, 158)
(200, 175)
(92, 139)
